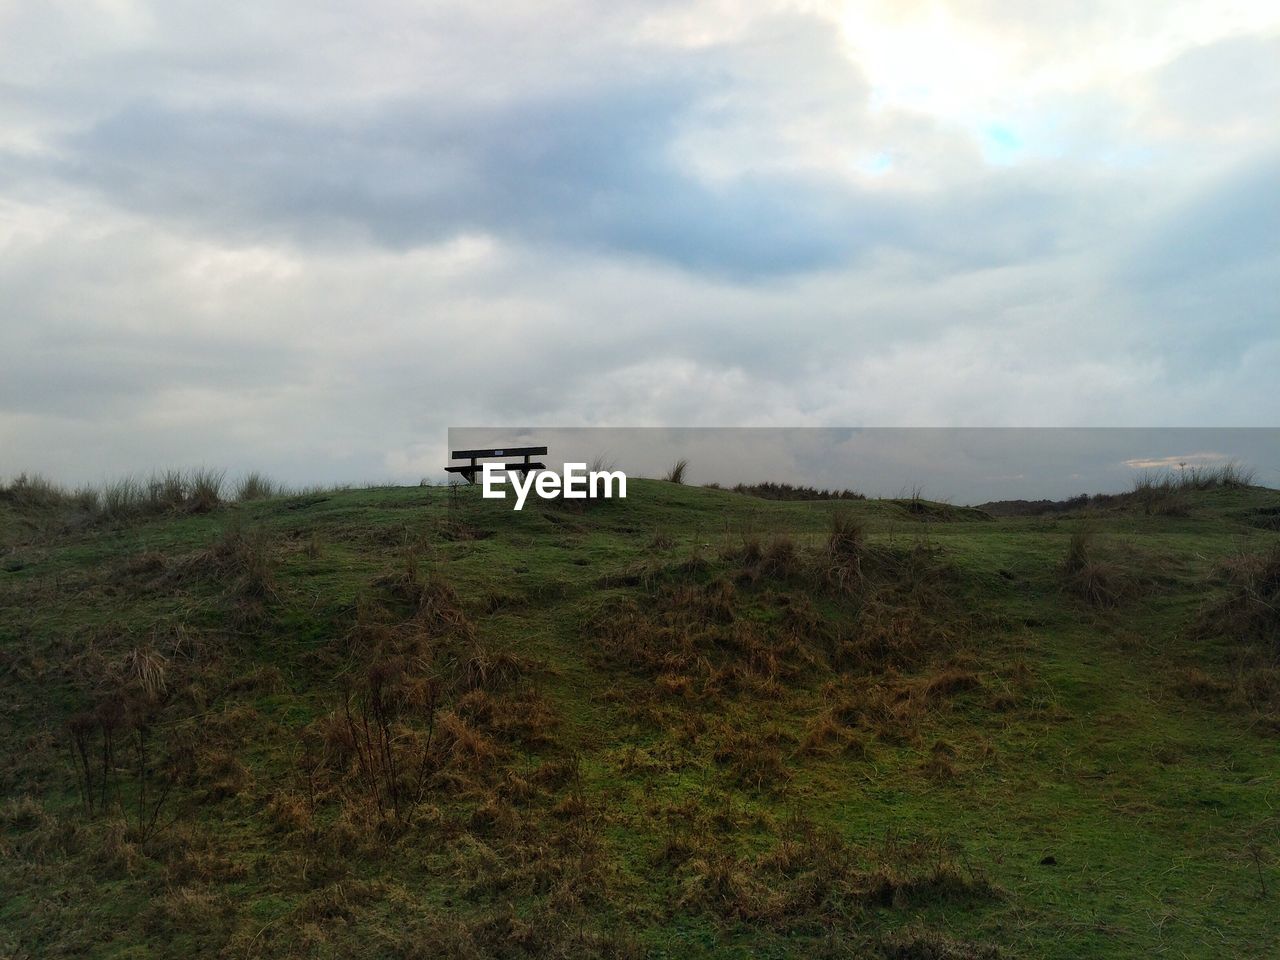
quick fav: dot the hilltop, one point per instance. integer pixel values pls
(694, 723)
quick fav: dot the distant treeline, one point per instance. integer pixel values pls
(785, 491)
(1034, 508)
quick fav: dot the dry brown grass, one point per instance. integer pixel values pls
(755, 758)
(392, 763)
(813, 879)
(1247, 616)
(432, 599)
(1250, 610)
(1098, 583)
(677, 471)
(778, 560)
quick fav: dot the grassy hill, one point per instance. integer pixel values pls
(408, 722)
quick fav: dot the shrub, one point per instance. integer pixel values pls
(392, 769)
(677, 471)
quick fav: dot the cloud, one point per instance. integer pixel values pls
(635, 165)
(1190, 87)
(584, 172)
(1177, 461)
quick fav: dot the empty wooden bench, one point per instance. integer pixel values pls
(472, 469)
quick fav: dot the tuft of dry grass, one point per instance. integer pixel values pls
(256, 486)
(1098, 583)
(1164, 493)
(431, 597)
(811, 877)
(846, 547)
(1248, 617)
(675, 474)
(488, 669)
(147, 668)
(755, 758)
(661, 540)
(1251, 608)
(779, 559)
(196, 491)
(919, 943)
(31, 491)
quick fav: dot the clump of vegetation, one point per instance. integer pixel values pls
(256, 486)
(755, 758)
(196, 491)
(244, 562)
(105, 778)
(391, 764)
(34, 492)
(1093, 580)
(677, 471)
(692, 638)
(1251, 609)
(779, 559)
(430, 596)
(846, 549)
(661, 540)
(169, 491)
(815, 878)
(1248, 618)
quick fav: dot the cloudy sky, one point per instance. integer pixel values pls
(309, 237)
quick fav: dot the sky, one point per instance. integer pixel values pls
(308, 238)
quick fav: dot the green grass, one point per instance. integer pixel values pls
(635, 773)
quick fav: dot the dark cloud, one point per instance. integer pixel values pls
(595, 171)
(592, 173)
(1229, 223)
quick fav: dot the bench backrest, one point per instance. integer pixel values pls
(498, 452)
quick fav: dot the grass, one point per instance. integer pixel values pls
(196, 491)
(410, 722)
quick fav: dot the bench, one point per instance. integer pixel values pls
(472, 469)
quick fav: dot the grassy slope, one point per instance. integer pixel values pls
(1078, 741)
